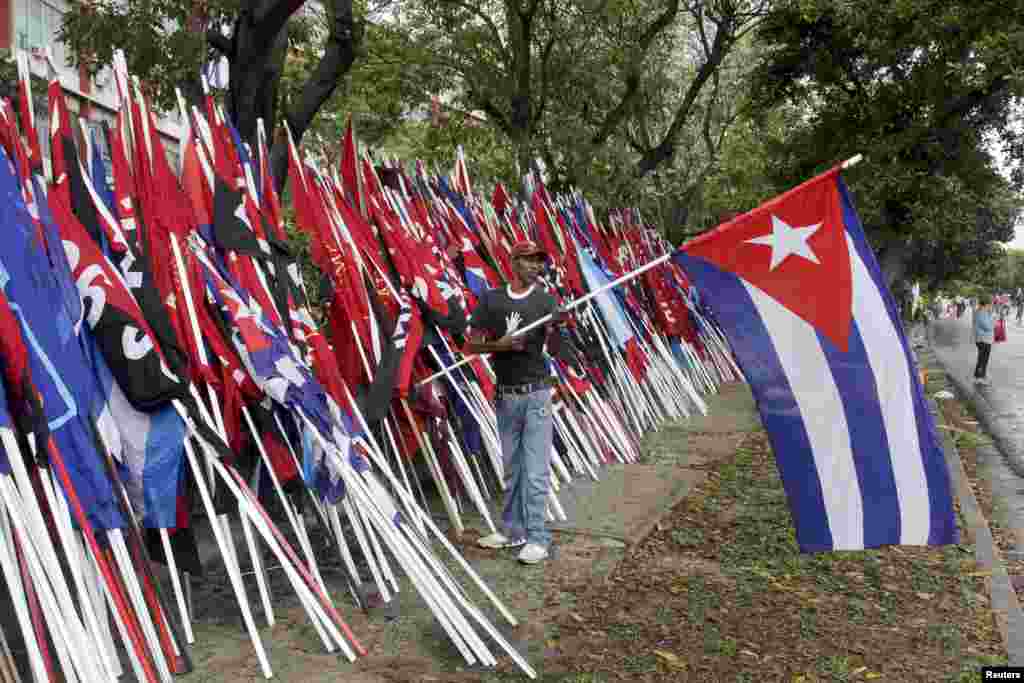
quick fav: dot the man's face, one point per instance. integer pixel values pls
(529, 268)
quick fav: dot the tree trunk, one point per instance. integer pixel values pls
(893, 259)
(256, 69)
(257, 52)
(340, 52)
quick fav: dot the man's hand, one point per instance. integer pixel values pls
(477, 344)
(510, 343)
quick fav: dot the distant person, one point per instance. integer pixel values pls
(1018, 300)
(984, 336)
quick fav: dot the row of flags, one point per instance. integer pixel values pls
(161, 355)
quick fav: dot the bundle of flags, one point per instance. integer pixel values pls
(161, 359)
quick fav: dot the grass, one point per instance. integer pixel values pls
(738, 601)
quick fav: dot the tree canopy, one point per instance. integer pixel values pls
(691, 111)
(924, 89)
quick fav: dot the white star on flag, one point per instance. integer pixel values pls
(786, 240)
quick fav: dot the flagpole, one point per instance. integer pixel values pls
(849, 163)
(569, 306)
(222, 532)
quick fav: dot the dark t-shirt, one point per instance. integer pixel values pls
(499, 313)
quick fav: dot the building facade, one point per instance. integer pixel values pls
(32, 26)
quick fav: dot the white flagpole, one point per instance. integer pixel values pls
(849, 163)
(571, 305)
(17, 594)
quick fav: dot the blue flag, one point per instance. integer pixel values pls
(611, 310)
(34, 276)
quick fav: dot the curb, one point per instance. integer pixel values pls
(1006, 607)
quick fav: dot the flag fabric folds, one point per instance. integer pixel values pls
(34, 276)
(802, 299)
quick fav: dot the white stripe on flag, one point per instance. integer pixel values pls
(821, 408)
(895, 395)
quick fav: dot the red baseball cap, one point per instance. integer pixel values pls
(526, 248)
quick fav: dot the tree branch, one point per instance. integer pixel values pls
(492, 111)
(221, 43)
(339, 55)
(545, 57)
(615, 117)
(495, 33)
(666, 148)
(706, 127)
(270, 17)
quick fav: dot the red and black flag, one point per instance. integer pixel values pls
(118, 324)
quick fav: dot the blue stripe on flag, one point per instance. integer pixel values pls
(859, 395)
(755, 353)
(943, 528)
(608, 305)
(162, 471)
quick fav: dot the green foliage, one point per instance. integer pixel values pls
(1007, 275)
(164, 40)
(919, 87)
(595, 90)
(491, 159)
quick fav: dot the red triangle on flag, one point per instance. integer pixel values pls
(794, 249)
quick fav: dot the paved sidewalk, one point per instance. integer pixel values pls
(999, 407)
(938, 354)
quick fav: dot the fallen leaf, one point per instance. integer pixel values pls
(576, 617)
(858, 670)
(925, 596)
(872, 675)
(749, 653)
(670, 657)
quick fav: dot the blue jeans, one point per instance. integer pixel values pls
(525, 425)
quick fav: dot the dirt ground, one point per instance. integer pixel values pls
(720, 593)
(716, 592)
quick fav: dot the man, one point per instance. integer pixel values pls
(984, 336)
(523, 400)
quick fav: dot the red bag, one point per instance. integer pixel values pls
(1001, 330)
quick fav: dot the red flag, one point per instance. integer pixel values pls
(28, 127)
(351, 182)
(500, 199)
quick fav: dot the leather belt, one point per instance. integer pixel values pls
(522, 389)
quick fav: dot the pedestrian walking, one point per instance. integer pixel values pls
(984, 336)
(523, 399)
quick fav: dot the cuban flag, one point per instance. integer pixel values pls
(800, 296)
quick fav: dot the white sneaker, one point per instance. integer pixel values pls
(533, 553)
(497, 541)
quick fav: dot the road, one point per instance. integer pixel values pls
(999, 406)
